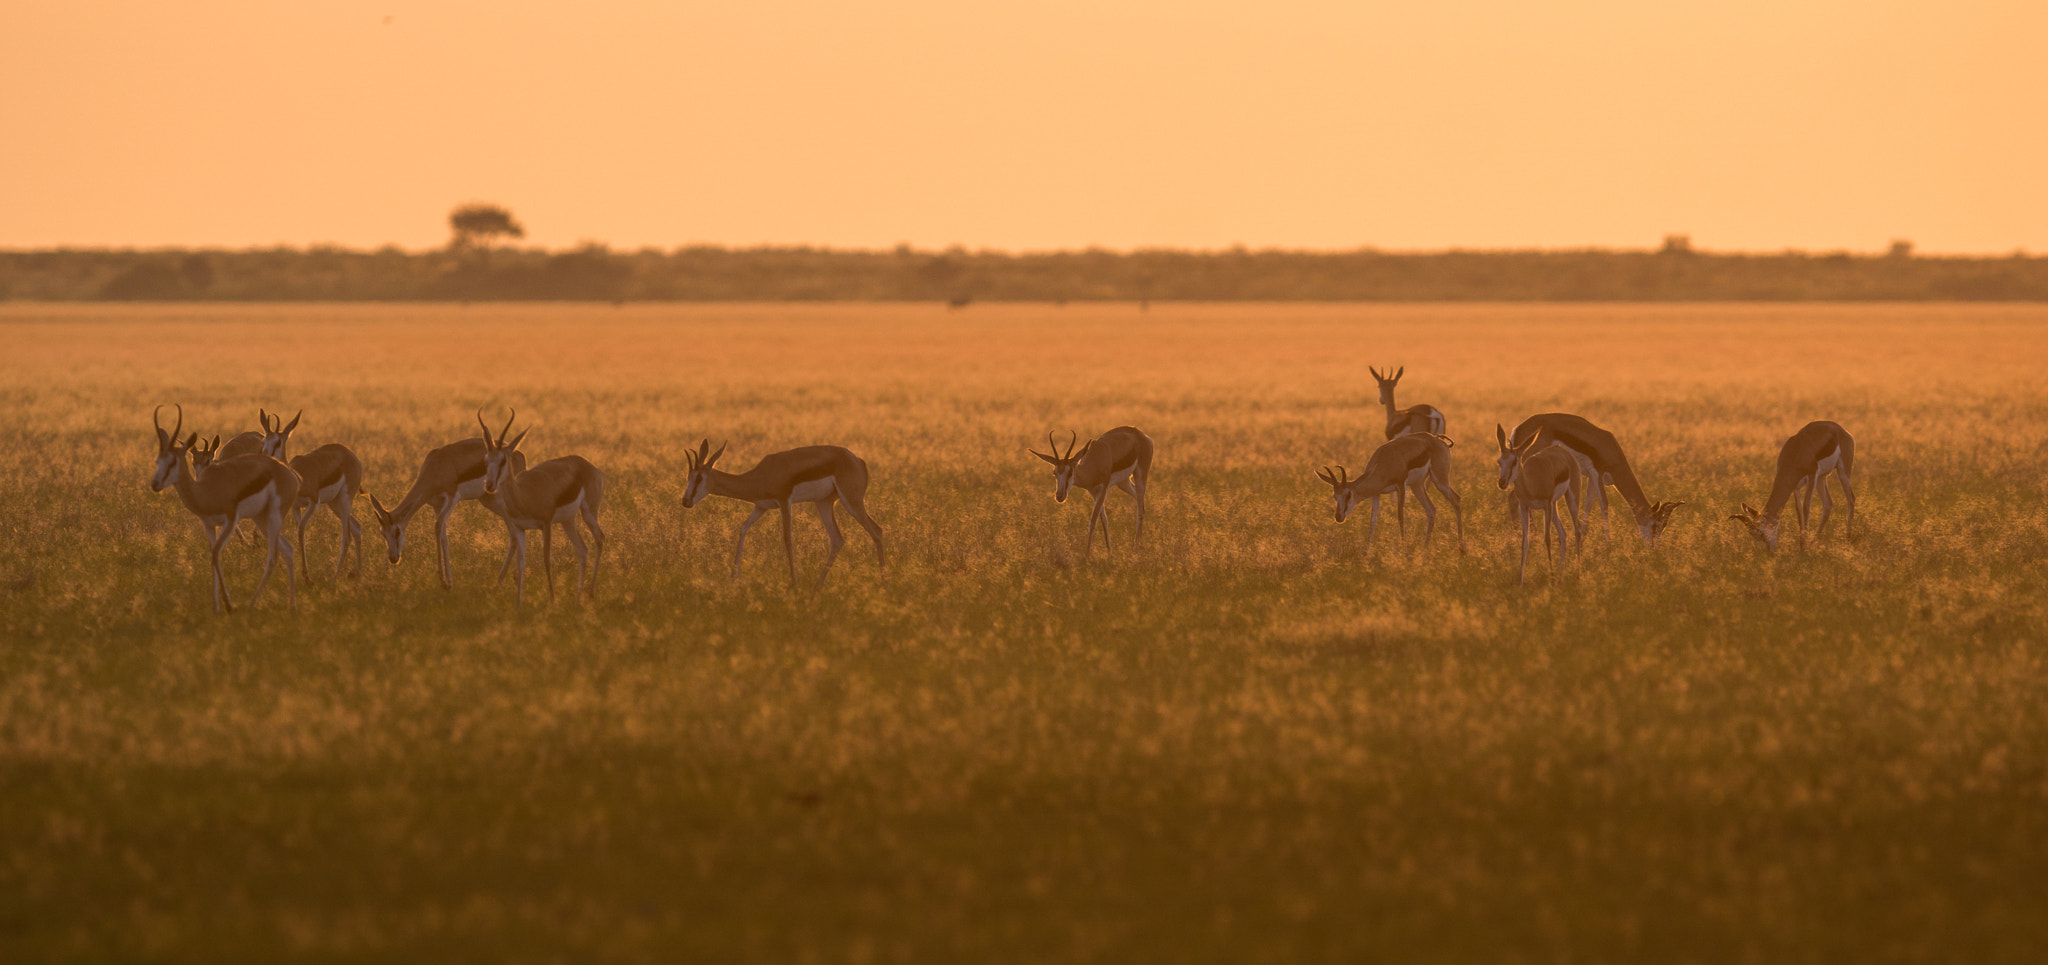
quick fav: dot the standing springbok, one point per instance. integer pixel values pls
(1415, 418)
(332, 477)
(1121, 457)
(1405, 463)
(556, 491)
(1600, 458)
(820, 475)
(447, 476)
(245, 487)
(1542, 472)
(247, 443)
(1804, 464)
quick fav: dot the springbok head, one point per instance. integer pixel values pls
(1346, 495)
(277, 433)
(498, 452)
(169, 451)
(1387, 383)
(1511, 456)
(393, 529)
(1063, 464)
(701, 459)
(1763, 529)
(1660, 516)
(204, 452)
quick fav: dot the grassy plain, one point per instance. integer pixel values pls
(1246, 739)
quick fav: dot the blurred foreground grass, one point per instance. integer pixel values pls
(1243, 740)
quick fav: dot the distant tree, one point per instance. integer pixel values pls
(477, 225)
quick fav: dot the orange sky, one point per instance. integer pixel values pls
(1750, 124)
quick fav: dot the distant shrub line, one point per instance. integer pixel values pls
(595, 273)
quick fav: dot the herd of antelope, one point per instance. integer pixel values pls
(1547, 457)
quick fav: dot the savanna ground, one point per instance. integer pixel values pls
(1244, 739)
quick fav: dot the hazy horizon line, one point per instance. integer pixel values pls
(1889, 248)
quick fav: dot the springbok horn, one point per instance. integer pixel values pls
(508, 426)
(484, 425)
(181, 422)
(1050, 444)
(1073, 439)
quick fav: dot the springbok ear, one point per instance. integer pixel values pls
(287, 430)
(1500, 432)
(1078, 456)
(1043, 456)
(263, 419)
(714, 456)
(1403, 370)
(191, 439)
(516, 439)
(1377, 377)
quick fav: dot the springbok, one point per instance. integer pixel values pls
(248, 443)
(448, 475)
(332, 477)
(1405, 463)
(253, 487)
(1804, 464)
(1121, 457)
(1415, 418)
(556, 491)
(1542, 472)
(1600, 458)
(820, 475)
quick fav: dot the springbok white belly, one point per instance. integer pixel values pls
(251, 505)
(565, 513)
(1416, 477)
(1833, 463)
(814, 491)
(470, 489)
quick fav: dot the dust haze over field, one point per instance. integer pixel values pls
(1246, 738)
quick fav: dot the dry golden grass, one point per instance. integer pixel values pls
(1245, 739)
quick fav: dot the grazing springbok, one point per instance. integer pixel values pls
(1600, 458)
(447, 476)
(1543, 471)
(1415, 418)
(254, 487)
(1804, 464)
(1405, 463)
(819, 475)
(556, 491)
(1121, 457)
(332, 476)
